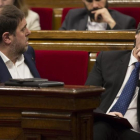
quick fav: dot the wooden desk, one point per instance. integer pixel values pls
(91, 41)
(64, 113)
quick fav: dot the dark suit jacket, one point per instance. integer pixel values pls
(29, 60)
(109, 71)
(76, 19)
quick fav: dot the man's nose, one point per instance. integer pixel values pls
(1, 3)
(95, 4)
(28, 32)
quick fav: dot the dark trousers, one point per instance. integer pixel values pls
(105, 131)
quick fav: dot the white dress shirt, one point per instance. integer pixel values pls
(93, 26)
(17, 70)
(131, 113)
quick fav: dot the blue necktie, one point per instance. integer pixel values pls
(127, 93)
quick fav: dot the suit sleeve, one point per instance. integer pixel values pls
(65, 22)
(122, 21)
(131, 25)
(95, 76)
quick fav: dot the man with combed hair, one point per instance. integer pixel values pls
(17, 59)
(96, 16)
(119, 73)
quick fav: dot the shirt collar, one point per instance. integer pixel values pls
(7, 60)
(4, 57)
(96, 23)
(132, 59)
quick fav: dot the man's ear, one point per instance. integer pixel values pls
(6, 37)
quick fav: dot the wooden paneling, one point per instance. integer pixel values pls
(91, 41)
(57, 16)
(78, 3)
(58, 113)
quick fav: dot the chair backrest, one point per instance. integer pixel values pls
(46, 17)
(70, 67)
(130, 11)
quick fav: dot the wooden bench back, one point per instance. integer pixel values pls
(90, 41)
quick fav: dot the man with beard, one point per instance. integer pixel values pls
(96, 16)
(16, 57)
(119, 73)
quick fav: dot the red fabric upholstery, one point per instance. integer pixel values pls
(131, 11)
(97, 54)
(46, 15)
(69, 67)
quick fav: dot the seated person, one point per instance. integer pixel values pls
(32, 18)
(97, 16)
(118, 72)
(17, 59)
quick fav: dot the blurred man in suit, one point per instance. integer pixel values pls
(17, 59)
(96, 16)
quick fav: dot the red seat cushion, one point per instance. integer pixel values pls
(46, 15)
(70, 67)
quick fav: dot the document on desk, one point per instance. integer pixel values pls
(115, 120)
(33, 82)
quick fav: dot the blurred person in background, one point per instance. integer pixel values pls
(97, 16)
(32, 18)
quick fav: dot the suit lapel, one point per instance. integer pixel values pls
(138, 107)
(4, 73)
(83, 23)
(121, 68)
(29, 60)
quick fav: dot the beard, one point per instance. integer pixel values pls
(91, 15)
(17, 49)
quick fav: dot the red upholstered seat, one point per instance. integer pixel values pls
(46, 15)
(131, 11)
(70, 67)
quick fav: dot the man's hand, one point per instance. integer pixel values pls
(136, 53)
(105, 17)
(116, 114)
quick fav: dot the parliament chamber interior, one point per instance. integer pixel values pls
(61, 113)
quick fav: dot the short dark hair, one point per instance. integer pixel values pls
(10, 16)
